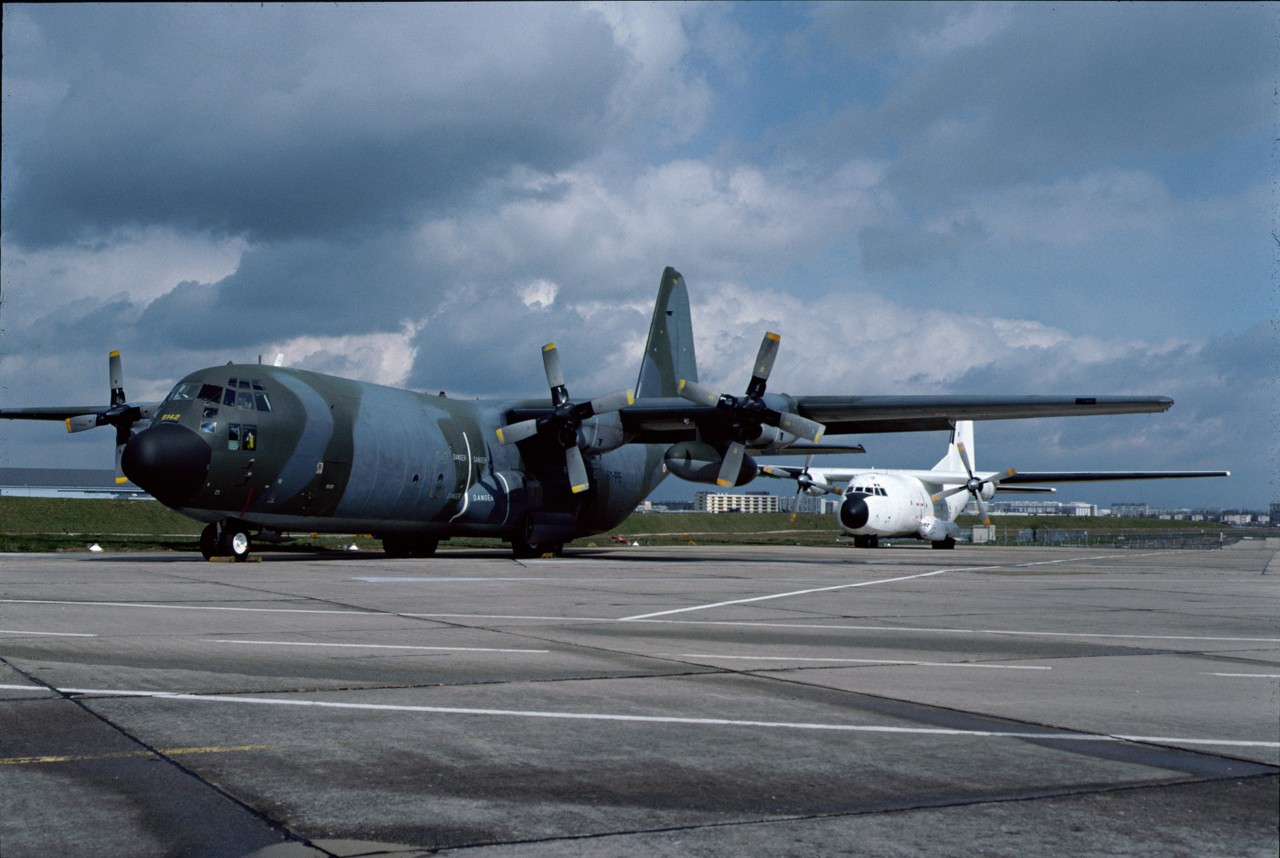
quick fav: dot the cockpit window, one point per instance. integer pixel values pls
(210, 393)
(246, 393)
(184, 392)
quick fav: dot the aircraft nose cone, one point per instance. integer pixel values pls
(854, 513)
(168, 461)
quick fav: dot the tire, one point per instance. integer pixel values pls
(944, 544)
(234, 543)
(209, 541)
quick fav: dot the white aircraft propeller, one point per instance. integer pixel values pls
(974, 485)
(566, 418)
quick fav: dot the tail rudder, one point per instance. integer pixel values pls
(668, 353)
(961, 434)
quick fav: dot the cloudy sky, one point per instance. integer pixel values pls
(921, 198)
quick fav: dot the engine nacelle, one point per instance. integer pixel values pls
(937, 529)
(601, 433)
(699, 462)
(988, 491)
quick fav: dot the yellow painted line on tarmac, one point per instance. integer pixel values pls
(121, 755)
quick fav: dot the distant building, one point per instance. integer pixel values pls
(65, 483)
(749, 502)
(1137, 509)
(1274, 517)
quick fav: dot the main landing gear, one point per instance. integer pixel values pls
(409, 545)
(228, 538)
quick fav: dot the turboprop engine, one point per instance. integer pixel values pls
(699, 462)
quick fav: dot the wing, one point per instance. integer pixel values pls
(843, 415)
(52, 413)
(670, 419)
(1100, 476)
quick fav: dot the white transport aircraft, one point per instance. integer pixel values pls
(924, 504)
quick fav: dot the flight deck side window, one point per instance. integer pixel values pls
(244, 399)
(210, 393)
(229, 395)
(242, 436)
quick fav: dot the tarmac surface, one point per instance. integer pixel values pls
(630, 700)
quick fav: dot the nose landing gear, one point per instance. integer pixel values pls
(228, 538)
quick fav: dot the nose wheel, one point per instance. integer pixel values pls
(225, 539)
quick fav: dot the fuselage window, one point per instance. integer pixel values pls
(209, 422)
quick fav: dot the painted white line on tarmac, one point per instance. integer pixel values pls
(48, 634)
(1247, 675)
(648, 719)
(787, 595)
(382, 646)
(847, 660)
(158, 606)
(784, 595)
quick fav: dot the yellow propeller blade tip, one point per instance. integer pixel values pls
(775, 337)
(579, 489)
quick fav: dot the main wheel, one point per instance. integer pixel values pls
(949, 542)
(234, 542)
(209, 541)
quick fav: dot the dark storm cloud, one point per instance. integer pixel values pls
(285, 122)
(991, 95)
(294, 288)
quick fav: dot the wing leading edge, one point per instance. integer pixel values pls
(667, 419)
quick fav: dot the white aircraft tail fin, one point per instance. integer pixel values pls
(961, 434)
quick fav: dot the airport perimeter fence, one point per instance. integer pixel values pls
(1154, 539)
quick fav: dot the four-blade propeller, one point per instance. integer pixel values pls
(566, 418)
(120, 413)
(974, 485)
(748, 414)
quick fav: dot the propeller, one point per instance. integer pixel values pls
(974, 485)
(807, 484)
(749, 413)
(565, 419)
(119, 413)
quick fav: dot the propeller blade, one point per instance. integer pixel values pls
(577, 468)
(699, 394)
(982, 508)
(801, 427)
(964, 457)
(732, 465)
(116, 375)
(612, 402)
(516, 432)
(764, 364)
(81, 422)
(949, 492)
(555, 374)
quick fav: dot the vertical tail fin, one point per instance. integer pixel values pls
(668, 354)
(961, 434)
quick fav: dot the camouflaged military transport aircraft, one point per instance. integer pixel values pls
(258, 451)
